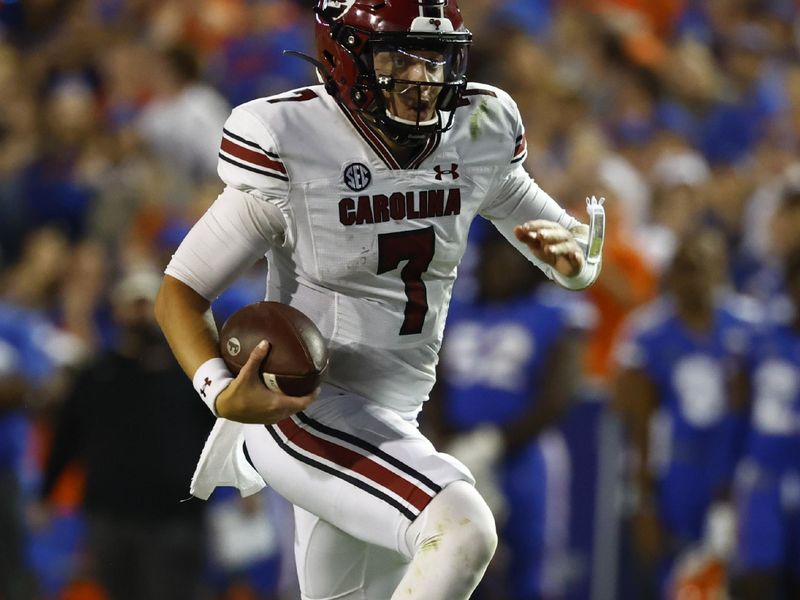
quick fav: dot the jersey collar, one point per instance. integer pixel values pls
(380, 147)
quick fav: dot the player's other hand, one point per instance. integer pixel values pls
(248, 400)
(552, 244)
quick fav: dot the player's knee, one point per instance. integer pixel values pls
(459, 522)
(477, 540)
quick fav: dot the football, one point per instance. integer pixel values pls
(298, 355)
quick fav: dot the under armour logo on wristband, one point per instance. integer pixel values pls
(452, 171)
(206, 383)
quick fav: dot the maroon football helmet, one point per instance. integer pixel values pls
(401, 63)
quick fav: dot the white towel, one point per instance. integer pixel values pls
(223, 463)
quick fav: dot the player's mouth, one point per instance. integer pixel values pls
(416, 107)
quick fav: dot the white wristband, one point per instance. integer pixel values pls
(583, 279)
(592, 247)
(210, 379)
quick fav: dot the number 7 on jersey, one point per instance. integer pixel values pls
(417, 247)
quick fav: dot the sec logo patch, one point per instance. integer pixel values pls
(357, 177)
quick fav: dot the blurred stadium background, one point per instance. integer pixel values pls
(682, 113)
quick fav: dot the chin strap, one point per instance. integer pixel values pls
(409, 139)
(404, 137)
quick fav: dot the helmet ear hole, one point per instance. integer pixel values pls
(349, 38)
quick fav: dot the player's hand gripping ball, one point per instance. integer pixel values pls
(298, 354)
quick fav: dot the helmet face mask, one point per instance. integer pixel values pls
(401, 64)
(413, 81)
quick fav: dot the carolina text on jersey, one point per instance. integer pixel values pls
(399, 206)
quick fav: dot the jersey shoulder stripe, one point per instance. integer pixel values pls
(246, 142)
(475, 92)
(249, 155)
(490, 113)
(521, 149)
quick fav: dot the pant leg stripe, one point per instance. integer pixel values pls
(410, 515)
(372, 449)
(362, 464)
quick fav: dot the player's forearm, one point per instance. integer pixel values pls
(644, 483)
(636, 398)
(521, 431)
(555, 391)
(643, 477)
(185, 320)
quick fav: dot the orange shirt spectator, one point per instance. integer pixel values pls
(661, 15)
(625, 283)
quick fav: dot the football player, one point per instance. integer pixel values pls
(680, 389)
(507, 374)
(360, 192)
(768, 480)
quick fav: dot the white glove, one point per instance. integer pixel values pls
(720, 530)
(480, 451)
(240, 532)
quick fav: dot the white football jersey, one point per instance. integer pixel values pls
(370, 247)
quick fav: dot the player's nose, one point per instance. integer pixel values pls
(417, 71)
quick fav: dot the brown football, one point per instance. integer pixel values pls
(298, 356)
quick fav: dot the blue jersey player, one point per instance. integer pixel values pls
(768, 482)
(679, 390)
(508, 368)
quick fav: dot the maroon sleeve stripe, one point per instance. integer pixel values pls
(355, 462)
(522, 144)
(251, 156)
(242, 140)
(464, 101)
(246, 167)
(479, 92)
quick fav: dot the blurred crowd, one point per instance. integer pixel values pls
(683, 114)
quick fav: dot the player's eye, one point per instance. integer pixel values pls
(399, 61)
(434, 67)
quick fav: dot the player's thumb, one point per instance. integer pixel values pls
(253, 365)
